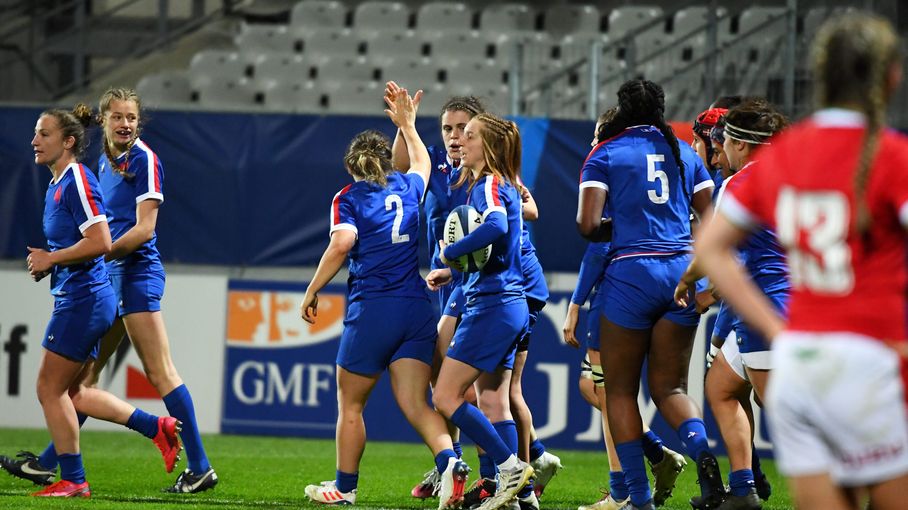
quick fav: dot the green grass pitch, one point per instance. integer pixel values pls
(126, 472)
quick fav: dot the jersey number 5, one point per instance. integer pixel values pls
(392, 202)
(822, 263)
(654, 175)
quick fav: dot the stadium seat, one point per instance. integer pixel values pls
(354, 98)
(508, 17)
(281, 96)
(167, 88)
(330, 42)
(286, 67)
(357, 69)
(693, 20)
(220, 64)
(433, 99)
(411, 73)
(319, 14)
(264, 38)
(561, 20)
(381, 15)
(396, 44)
(455, 45)
(624, 21)
(478, 73)
(444, 17)
(221, 94)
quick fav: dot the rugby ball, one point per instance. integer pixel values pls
(463, 220)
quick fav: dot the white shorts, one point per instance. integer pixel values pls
(836, 405)
(760, 360)
(733, 355)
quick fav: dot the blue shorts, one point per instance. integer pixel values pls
(535, 307)
(140, 292)
(457, 302)
(638, 291)
(592, 322)
(487, 338)
(748, 339)
(380, 331)
(77, 324)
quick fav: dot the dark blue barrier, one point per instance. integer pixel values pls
(254, 189)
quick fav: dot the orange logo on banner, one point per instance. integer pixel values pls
(273, 318)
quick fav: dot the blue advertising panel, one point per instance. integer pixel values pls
(280, 377)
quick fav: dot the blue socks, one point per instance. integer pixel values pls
(507, 431)
(471, 421)
(48, 458)
(441, 460)
(741, 482)
(617, 485)
(143, 423)
(345, 482)
(631, 456)
(692, 433)
(458, 450)
(536, 449)
(652, 447)
(71, 468)
(179, 405)
(487, 467)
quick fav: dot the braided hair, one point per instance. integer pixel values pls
(471, 105)
(118, 94)
(368, 157)
(862, 47)
(501, 149)
(642, 102)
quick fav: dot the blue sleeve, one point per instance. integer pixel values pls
(594, 173)
(84, 200)
(702, 179)
(591, 270)
(149, 176)
(494, 226)
(343, 213)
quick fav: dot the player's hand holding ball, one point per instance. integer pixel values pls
(463, 220)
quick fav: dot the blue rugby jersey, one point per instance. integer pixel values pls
(71, 205)
(649, 209)
(501, 280)
(592, 269)
(144, 181)
(384, 261)
(761, 252)
(535, 286)
(439, 200)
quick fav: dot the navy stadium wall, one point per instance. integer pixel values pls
(255, 189)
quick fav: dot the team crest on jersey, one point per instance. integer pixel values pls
(443, 167)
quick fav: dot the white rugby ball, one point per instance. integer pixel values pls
(463, 220)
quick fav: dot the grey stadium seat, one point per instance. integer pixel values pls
(286, 67)
(623, 21)
(265, 38)
(457, 45)
(444, 17)
(357, 69)
(508, 17)
(411, 73)
(319, 14)
(330, 42)
(355, 98)
(572, 19)
(380, 15)
(396, 44)
(220, 64)
(167, 88)
(281, 96)
(237, 94)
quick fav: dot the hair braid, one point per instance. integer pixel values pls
(119, 94)
(501, 149)
(863, 47)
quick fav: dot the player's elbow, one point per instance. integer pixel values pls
(586, 227)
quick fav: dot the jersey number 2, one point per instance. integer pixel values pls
(824, 264)
(654, 175)
(394, 201)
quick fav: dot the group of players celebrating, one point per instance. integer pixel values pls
(805, 251)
